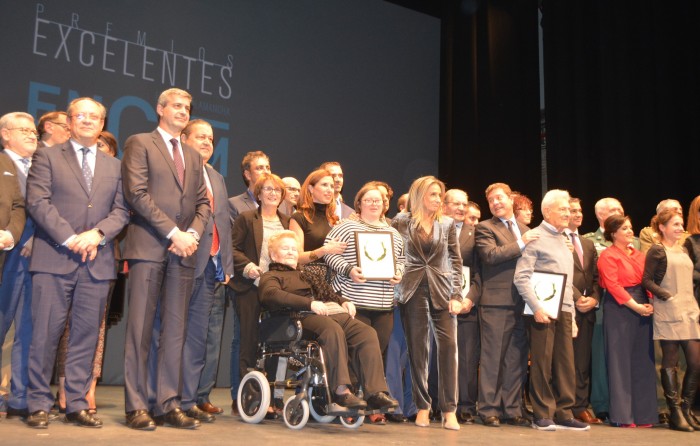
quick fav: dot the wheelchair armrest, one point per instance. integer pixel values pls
(280, 328)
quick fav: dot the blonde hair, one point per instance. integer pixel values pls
(275, 240)
(417, 193)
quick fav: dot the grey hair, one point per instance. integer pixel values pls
(8, 119)
(552, 197)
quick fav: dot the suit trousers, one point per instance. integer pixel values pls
(342, 338)
(582, 359)
(165, 287)
(247, 308)
(398, 369)
(195, 349)
(468, 350)
(53, 296)
(214, 333)
(419, 316)
(503, 361)
(16, 306)
(552, 371)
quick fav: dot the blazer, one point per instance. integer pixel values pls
(12, 213)
(220, 217)
(498, 252)
(585, 278)
(442, 266)
(158, 201)
(247, 238)
(61, 205)
(470, 258)
(345, 211)
(241, 203)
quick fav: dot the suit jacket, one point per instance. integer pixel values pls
(239, 204)
(585, 278)
(12, 214)
(158, 202)
(499, 252)
(442, 265)
(345, 211)
(61, 205)
(221, 218)
(470, 258)
(247, 238)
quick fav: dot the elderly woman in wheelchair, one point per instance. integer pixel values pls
(328, 319)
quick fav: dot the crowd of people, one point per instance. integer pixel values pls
(490, 320)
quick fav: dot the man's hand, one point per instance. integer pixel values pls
(5, 239)
(27, 248)
(86, 244)
(542, 317)
(585, 304)
(532, 234)
(183, 244)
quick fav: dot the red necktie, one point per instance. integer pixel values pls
(215, 235)
(179, 163)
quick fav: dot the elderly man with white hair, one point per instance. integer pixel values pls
(552, 372)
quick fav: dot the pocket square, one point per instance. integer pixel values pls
(9, 174)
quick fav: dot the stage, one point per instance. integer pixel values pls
(228, 429)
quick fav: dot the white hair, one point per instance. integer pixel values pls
(552, 196)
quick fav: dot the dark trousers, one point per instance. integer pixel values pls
(503, 361)
(383, 324)
(552, 372)
(247, 308)
(398, 369)
(166, 286)
(207, 380)
(468, 350)
(195, 349)
(419, 316)
(629, 353)
(342, 338)
(582, 359)
(53, 296)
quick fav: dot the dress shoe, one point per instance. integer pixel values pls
(381, 400)
(234, 408)
(396, 418)
(198, 414)
(177, 418)
(491, 421)
(83, 418)
(38, 420)
(423, 418)
(271, 414)
(19, 413)
(210, 408)
(587, 417)
(519, 421)
(350, 401)
(465, 418)
(140, 420)
(602, 416)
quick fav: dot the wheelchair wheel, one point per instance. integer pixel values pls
(253, 397)
(317, 405)
(295, 412)
(352, 422)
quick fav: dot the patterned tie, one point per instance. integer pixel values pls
(577, 246)
(27, 163)
(179, 163)
(87, 173)
(215, 233)
(511, 229)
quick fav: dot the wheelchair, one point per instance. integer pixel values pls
(286, 361)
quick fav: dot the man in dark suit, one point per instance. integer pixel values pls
(214, 268)
(499, 243)
(165, 187)
(291, 198)
(19, 143)
(341, 209)
(74, 195)
(468, 343)
(586, 297)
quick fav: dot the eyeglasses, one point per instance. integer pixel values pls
(268, 189)
(26, 131)
(368, 201)
(60, 124)
(84, 116)
(293, 189)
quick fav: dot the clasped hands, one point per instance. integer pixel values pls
(86, 244)
(184, 244)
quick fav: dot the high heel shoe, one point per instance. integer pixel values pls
(449, 421)
(423, 418)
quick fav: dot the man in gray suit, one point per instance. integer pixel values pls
(19, 143)
(165, 187)
(499, 242)
(253, 165)
(214, 268)
(74, 195)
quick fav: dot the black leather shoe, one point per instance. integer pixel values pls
(465, 418)
(38, 420)
(436, 415)
(519, 421)
(140, 420)
(381, 400)
(396, 418)
(20, 413)
(491, 421)
(604, 416)
(198, 414)
(177, 418)
(83, 418)
(350, 401)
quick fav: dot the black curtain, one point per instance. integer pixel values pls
(622, 102)
(490, 122)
